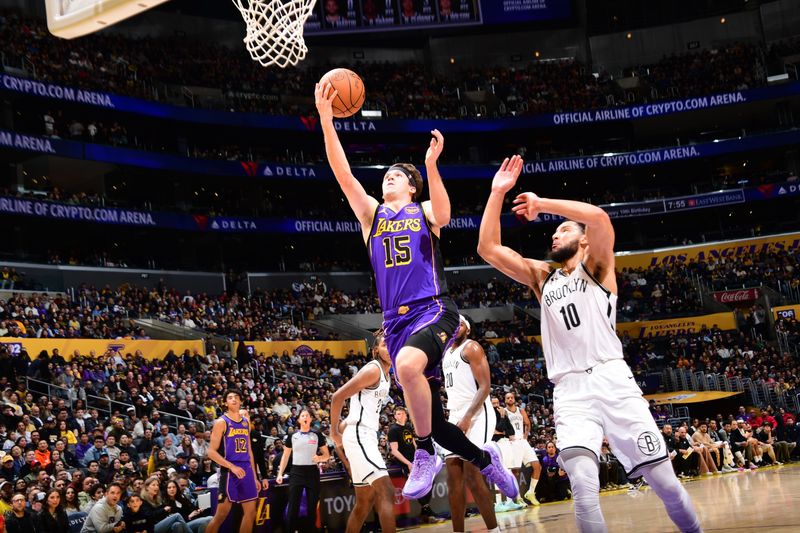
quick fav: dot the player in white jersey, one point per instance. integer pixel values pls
(356, 439)
(467, 381)
(595, 393)
(521, 453)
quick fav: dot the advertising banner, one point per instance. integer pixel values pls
(702, 252)
(338, 349)
(674, 326)
(42, 145)
(151, 349)
(269, 170)
(649, 383)
(737, 296)
(132, 217)
(501, 8)
(502, 11)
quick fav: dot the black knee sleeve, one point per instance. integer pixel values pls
(449, 436)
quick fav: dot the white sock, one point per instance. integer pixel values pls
(584, 476)
(680, 508)
(533, 484)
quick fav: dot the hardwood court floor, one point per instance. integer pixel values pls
(765, 500)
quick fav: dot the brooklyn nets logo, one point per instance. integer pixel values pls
(649, 443)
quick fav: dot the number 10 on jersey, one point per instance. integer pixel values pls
(570, 315)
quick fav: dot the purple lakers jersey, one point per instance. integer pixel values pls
(405, 256)
(236, 444)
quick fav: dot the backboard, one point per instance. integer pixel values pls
(74, 18)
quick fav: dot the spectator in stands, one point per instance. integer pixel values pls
(52, 517)
(175, 499)
(684, 462)
(165, 518)
(612, 474)
(777, 452)
(71, 503)
(19, 519)
(710, 449)
(135, 518)
(745, 448)
(553, 485)
(106, 514)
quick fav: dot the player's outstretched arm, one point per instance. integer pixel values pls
(599, 230)
(362, 204)
(437, 209)
(366, 377)
(526, 271)
(476, 357)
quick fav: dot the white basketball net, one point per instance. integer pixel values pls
(275, 30)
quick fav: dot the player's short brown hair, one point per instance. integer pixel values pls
(416, 176)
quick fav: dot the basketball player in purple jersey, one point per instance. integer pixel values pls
(420, 320)
(230, 449)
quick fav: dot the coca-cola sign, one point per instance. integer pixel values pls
(737, 296)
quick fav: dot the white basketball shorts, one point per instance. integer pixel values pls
(361, 449)
(606, 401)
(507, 453)
(480, 431)
(521, 453)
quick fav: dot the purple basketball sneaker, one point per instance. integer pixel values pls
(497, 474)
(420, 480)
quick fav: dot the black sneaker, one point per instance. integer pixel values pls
(427, 516)
(635, 485)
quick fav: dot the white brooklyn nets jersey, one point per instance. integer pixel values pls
(459, 381)
(579, 317)
(366, 405)
(516, 422)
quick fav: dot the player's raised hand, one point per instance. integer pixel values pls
(324, 93)
(526, 205)
(435, 148)
(505, 178)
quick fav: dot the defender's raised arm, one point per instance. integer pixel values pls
(526, 271)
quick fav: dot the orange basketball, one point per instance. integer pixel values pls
(351, 91)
